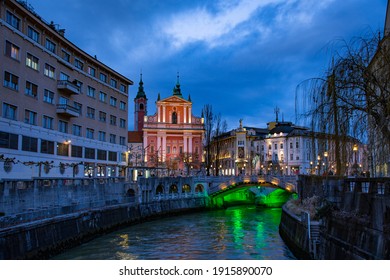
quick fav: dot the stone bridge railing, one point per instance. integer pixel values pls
(221, 182)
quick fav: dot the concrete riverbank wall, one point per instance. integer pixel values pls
(356, 224)
(44, 238)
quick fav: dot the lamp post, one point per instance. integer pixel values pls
(326, 161)
(311, 168)
(319, 164)
(355, 165)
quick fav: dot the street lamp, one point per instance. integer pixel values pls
(326, 161)
(311, 168)
(355, 165)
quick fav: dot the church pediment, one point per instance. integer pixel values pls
(174, 99)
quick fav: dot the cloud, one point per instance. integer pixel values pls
(230, 22)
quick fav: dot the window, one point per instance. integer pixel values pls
(112, 120)
(76, 130)
(47, 147)
(49, 45)
(297, 144)
(33, 34)
(63, 100)
(32, 61)
(89, 153)
(101, 155)
(48, 96)
(12, 50)
(113, 101)
(113, 83)
(122, 123)
(122, 140)
(9, 111)
(62, 149)
(78, 64)
(64, 77)
(281, 145)
(29, 144)
(269, 147)
(91, 92)
(112, 138)
(13, 20)
(276, 146)
(62, 126)
(11, 81)
(78, 107)
(49, 71)
(103, 97)
(31, 89)
(90, 133)
(122, 105)
(30, 117)
(77, 151)
(102, 116)
(112, 156)
(47, 122)
(65, 56)
(291, 156)
(90, 113)
(291, 145)
(103, 77)
(9, 140)
(102, 136)
(174, 117)
(91, 71)
(122, 88)
(168, 149)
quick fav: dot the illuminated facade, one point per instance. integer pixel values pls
(63, 113)
(173, 136)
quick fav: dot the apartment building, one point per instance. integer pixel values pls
(63, 113)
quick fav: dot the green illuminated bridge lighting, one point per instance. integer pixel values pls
(220, 191)
(264, 191)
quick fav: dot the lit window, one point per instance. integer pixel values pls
(12, 50)
(32, 61)
(49, 71)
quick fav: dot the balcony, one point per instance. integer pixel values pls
(67, 111)
(68, 87)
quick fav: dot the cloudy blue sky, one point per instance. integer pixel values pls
(244, 57)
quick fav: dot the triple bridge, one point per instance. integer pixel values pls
(222, 191)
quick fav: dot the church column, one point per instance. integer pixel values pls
(190, 145)
(164, 113)
(185, 138)
(159, 148)
(144, 152)
(159, 114)
(164, 147)
(185, 114)
(189, 115)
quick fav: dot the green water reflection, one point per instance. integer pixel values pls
(244, 232)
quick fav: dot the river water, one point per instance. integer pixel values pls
(242, 233)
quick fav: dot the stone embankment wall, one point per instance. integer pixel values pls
(44, 238)
(356, 226)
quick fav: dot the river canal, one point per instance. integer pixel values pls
(242, 233)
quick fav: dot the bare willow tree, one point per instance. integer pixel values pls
(207, 114)
(352, 100)
(220, 128)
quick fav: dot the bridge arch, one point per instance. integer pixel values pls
(199, 188)
(186, 188)
(173, 188)
(160, 189)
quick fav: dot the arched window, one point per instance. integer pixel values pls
(199, 188)
(174, 117)
(173, 189)
(186, 188)
(141, 106)
(160, 189)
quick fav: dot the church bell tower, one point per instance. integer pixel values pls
(140, 107)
